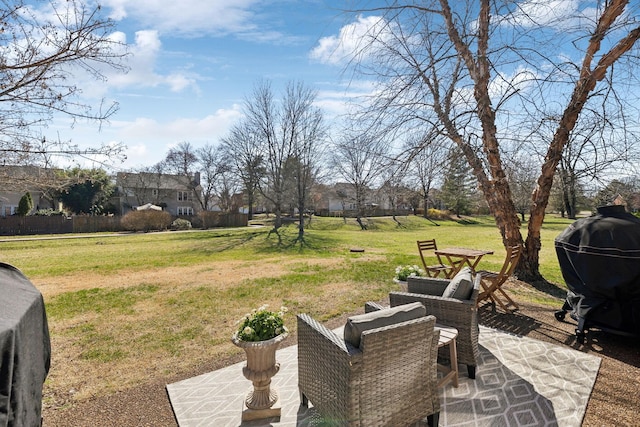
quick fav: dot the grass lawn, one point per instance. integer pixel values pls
(125, 309)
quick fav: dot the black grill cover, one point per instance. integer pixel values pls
(25, 349)
(599, 258)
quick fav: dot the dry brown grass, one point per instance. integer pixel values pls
(74, 376)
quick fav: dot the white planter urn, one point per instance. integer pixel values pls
(262, 400)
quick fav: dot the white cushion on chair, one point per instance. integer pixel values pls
(461, 286)
(356, 325)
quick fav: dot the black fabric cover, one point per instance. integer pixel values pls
(599, 258)
(25, 349)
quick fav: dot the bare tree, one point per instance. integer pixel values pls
(476, 69)
(522, 172)
(214, 169)
(288, 133)
(595, 151)
(359, 160)
(393, 188)
(427, 161)
(264, 120)
(181, 160)
(42, 51)
(244, 152)
(226, 188)
(306, 134)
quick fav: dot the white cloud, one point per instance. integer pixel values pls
(147, 139)
(142, 62)
(558, 14)
(350, 42)
(151, 138)
(210, 127)
(503, 84)
(187, 17)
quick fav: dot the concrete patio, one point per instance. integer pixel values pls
(520, 381)
(217, 398)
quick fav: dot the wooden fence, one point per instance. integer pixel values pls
(219, 219)
(58, 224)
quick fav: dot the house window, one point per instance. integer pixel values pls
(185, 210)
(183, 196)
(154, 192)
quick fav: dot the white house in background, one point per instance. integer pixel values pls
(176, 194)
(16, 181)
(341, 196)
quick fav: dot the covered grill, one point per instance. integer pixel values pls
(599, 258)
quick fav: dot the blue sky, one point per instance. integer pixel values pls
(193, 62)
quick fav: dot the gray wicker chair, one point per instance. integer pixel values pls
(390, 380)
(459, 314)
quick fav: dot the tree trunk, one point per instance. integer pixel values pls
(359, 220)
(250, 206)
(300, 225)
(573, 199)
(426, 206)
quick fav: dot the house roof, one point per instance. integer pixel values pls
(14, 178)
(156, 181)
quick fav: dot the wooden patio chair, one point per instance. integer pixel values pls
(434, 270)
(492, 282)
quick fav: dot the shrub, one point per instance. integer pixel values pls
(48, 212)
(181, 224)
(437, 214)
(25, 205)
(146, 220)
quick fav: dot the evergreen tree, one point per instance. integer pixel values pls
(25, 205)
(91, 192)
(458, 185)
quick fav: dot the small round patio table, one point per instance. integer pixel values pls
(448, 337)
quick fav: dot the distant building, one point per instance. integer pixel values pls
(16, 181)
(176, 194)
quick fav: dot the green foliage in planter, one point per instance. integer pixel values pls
(262, 325)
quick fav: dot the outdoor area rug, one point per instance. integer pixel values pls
(520, 381)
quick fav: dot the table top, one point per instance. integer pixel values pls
(464, 252)
(447, 334)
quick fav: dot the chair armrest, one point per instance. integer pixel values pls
(371, 306)
(327, 367)
(324, 337)
(426, 285)
(395, 339)
(448, 311)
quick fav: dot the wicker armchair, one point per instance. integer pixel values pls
(459, 314)
(390, 380)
